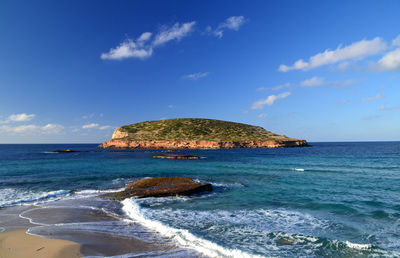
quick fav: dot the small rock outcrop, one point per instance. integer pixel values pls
(175, 156)
(160, 187)
(64, 151)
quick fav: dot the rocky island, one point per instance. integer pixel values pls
(196, 133)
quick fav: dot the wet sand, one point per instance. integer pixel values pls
(73, 232)
(18, 243)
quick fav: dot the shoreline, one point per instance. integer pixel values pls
(29, 230)
(18, 243)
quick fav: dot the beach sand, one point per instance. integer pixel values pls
(73, 238)
(19, 244)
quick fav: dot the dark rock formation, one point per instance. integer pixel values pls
(63, 151)
(161, 186)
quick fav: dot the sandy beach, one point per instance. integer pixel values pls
(20, 244)
(79, 232)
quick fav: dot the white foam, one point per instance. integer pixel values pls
(298, 169)
(228, 185)
(30, 219)
(91, 192)
(177, 253)
(10, 196)
(358, 246)
(235, 228)
(182, 236)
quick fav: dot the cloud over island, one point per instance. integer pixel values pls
(355, 51)
(269, 101)
(195, 76)
(143, 46)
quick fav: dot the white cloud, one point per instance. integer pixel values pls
(367, 118)
(275, 88)
(313, 82)
(342, 67)
(319, 81)
(231, 23)
(282, 86)
(88, 116)
(195, 76)
(176, 32)
(29, 129)
(52, 129)
(343, 101)
(382, 88)
(128, 49)
(262, 115)
(144, 37)
(390, 61)
(171, 106)
(105, 127)
(269, 101)
(143, 47)
(396, 41)
(24, 128)
(386, 108)
(356, 51)
(90, 126)
(376, 97)
(19, 118)
(96, 126)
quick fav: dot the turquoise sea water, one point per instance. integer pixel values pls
(331, 199)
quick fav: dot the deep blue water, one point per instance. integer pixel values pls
(331, 199)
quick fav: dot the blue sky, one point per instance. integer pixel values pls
(72, 71)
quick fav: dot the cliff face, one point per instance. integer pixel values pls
(196, 134)
(118, 134)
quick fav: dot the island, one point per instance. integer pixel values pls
(196, 133)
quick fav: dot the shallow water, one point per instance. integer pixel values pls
(332, 199)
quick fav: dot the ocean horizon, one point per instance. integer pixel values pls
(330, 199)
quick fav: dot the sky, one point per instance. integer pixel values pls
(73, 71)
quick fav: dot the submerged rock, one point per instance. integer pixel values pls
(175, 156)
(160, 187)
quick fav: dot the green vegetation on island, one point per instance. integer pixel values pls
(195, 129)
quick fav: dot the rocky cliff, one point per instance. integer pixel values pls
(194, 133)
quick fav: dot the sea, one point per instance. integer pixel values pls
(333, 199)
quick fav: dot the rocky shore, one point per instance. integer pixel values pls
(173, 144)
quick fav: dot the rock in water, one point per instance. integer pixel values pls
(63, 151)
(175, 156)
(161, 186)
